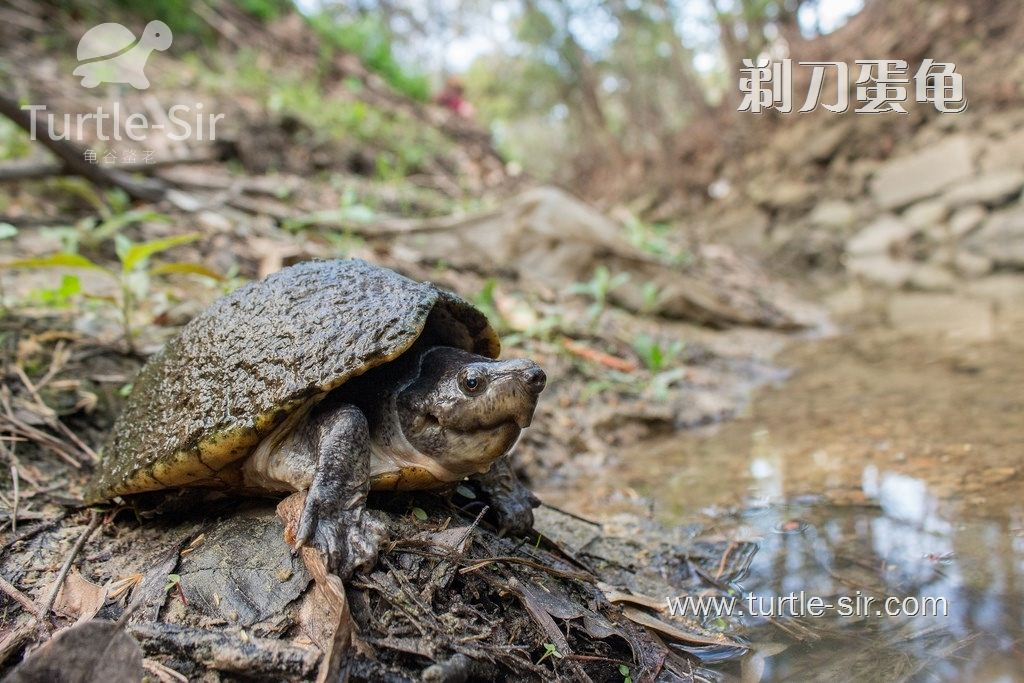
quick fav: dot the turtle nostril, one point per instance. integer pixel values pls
(536, 379)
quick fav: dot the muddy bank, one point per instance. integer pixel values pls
(887, 466)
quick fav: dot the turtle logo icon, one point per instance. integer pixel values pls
(110, 53)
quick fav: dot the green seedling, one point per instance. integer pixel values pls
(597, 289)
(133, 277)
(656, 356)
(7, 231)
(550, 650)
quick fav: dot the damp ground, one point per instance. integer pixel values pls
(887, 467)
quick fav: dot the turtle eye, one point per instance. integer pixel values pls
(472, 382)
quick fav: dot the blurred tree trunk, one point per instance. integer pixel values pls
(587, 83)
(682, 62)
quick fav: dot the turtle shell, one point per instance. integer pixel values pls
(104, 40)
(254, 357)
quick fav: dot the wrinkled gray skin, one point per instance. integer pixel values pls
(441, 408)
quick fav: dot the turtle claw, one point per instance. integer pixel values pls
(512, 502)
(348, 539)
(515, 511)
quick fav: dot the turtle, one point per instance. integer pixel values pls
(110, 53)
(331, 377)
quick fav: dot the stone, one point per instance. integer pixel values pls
(961, 317)
(906, 179)
(787, 194)
(744, 226)
(972, 265)
(926, 216)
(821, 146)
(1006, 291)
(1001, 238)
(879, 236)
(881, 269)
(847, 301)
(833, 214)
(990, 189)
(211, 221)
(931, 278)
(1004, 153)
(966, 219)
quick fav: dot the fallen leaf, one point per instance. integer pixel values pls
(93, 651)
(675, 632)
(80, 598)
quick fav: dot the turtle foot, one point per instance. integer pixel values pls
(515, 510)
(349, 539)
(509, 498)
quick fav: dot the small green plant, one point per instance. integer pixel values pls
(173, 581)
(651, 293)
(624, 672)
(656, 356)
(485, 301)
(369, 39)
(133, 277)
(7, 231)
(350, 213)
(545, 329)
(113, 214)
(550, 650)
(654, 239)
(598, 288)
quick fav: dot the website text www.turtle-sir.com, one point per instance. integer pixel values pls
(802, 604)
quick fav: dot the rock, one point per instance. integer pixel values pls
(847, 301)
(211, 221)
(957, 316)
(990, 189)
(879, 237)
(821, 146)
(903, 180)
(1006, 291)
(1001, 238)
(1005, 153)
(966, 220)
(972, 265)
(931, 278)
(926, 216)
(881, 269)
(744, 226)
(243, 572)
(788, 194)
(833, 214)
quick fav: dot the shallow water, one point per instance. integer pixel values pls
(888, 464)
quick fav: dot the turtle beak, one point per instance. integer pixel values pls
(533, 379)
(524, 418)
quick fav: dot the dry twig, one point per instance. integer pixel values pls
(94, 522)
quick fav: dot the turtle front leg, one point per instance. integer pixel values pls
(334, 517)
(512, 501)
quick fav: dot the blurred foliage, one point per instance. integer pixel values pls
(133, 277)
(597, 289)
(181, 16)
(14, 143)
(399, 146)
(369, 39)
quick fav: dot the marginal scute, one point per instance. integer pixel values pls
(240, 367)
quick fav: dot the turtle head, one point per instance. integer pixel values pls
(157, 35)
(464, 411)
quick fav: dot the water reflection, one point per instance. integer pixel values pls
(959, 582)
